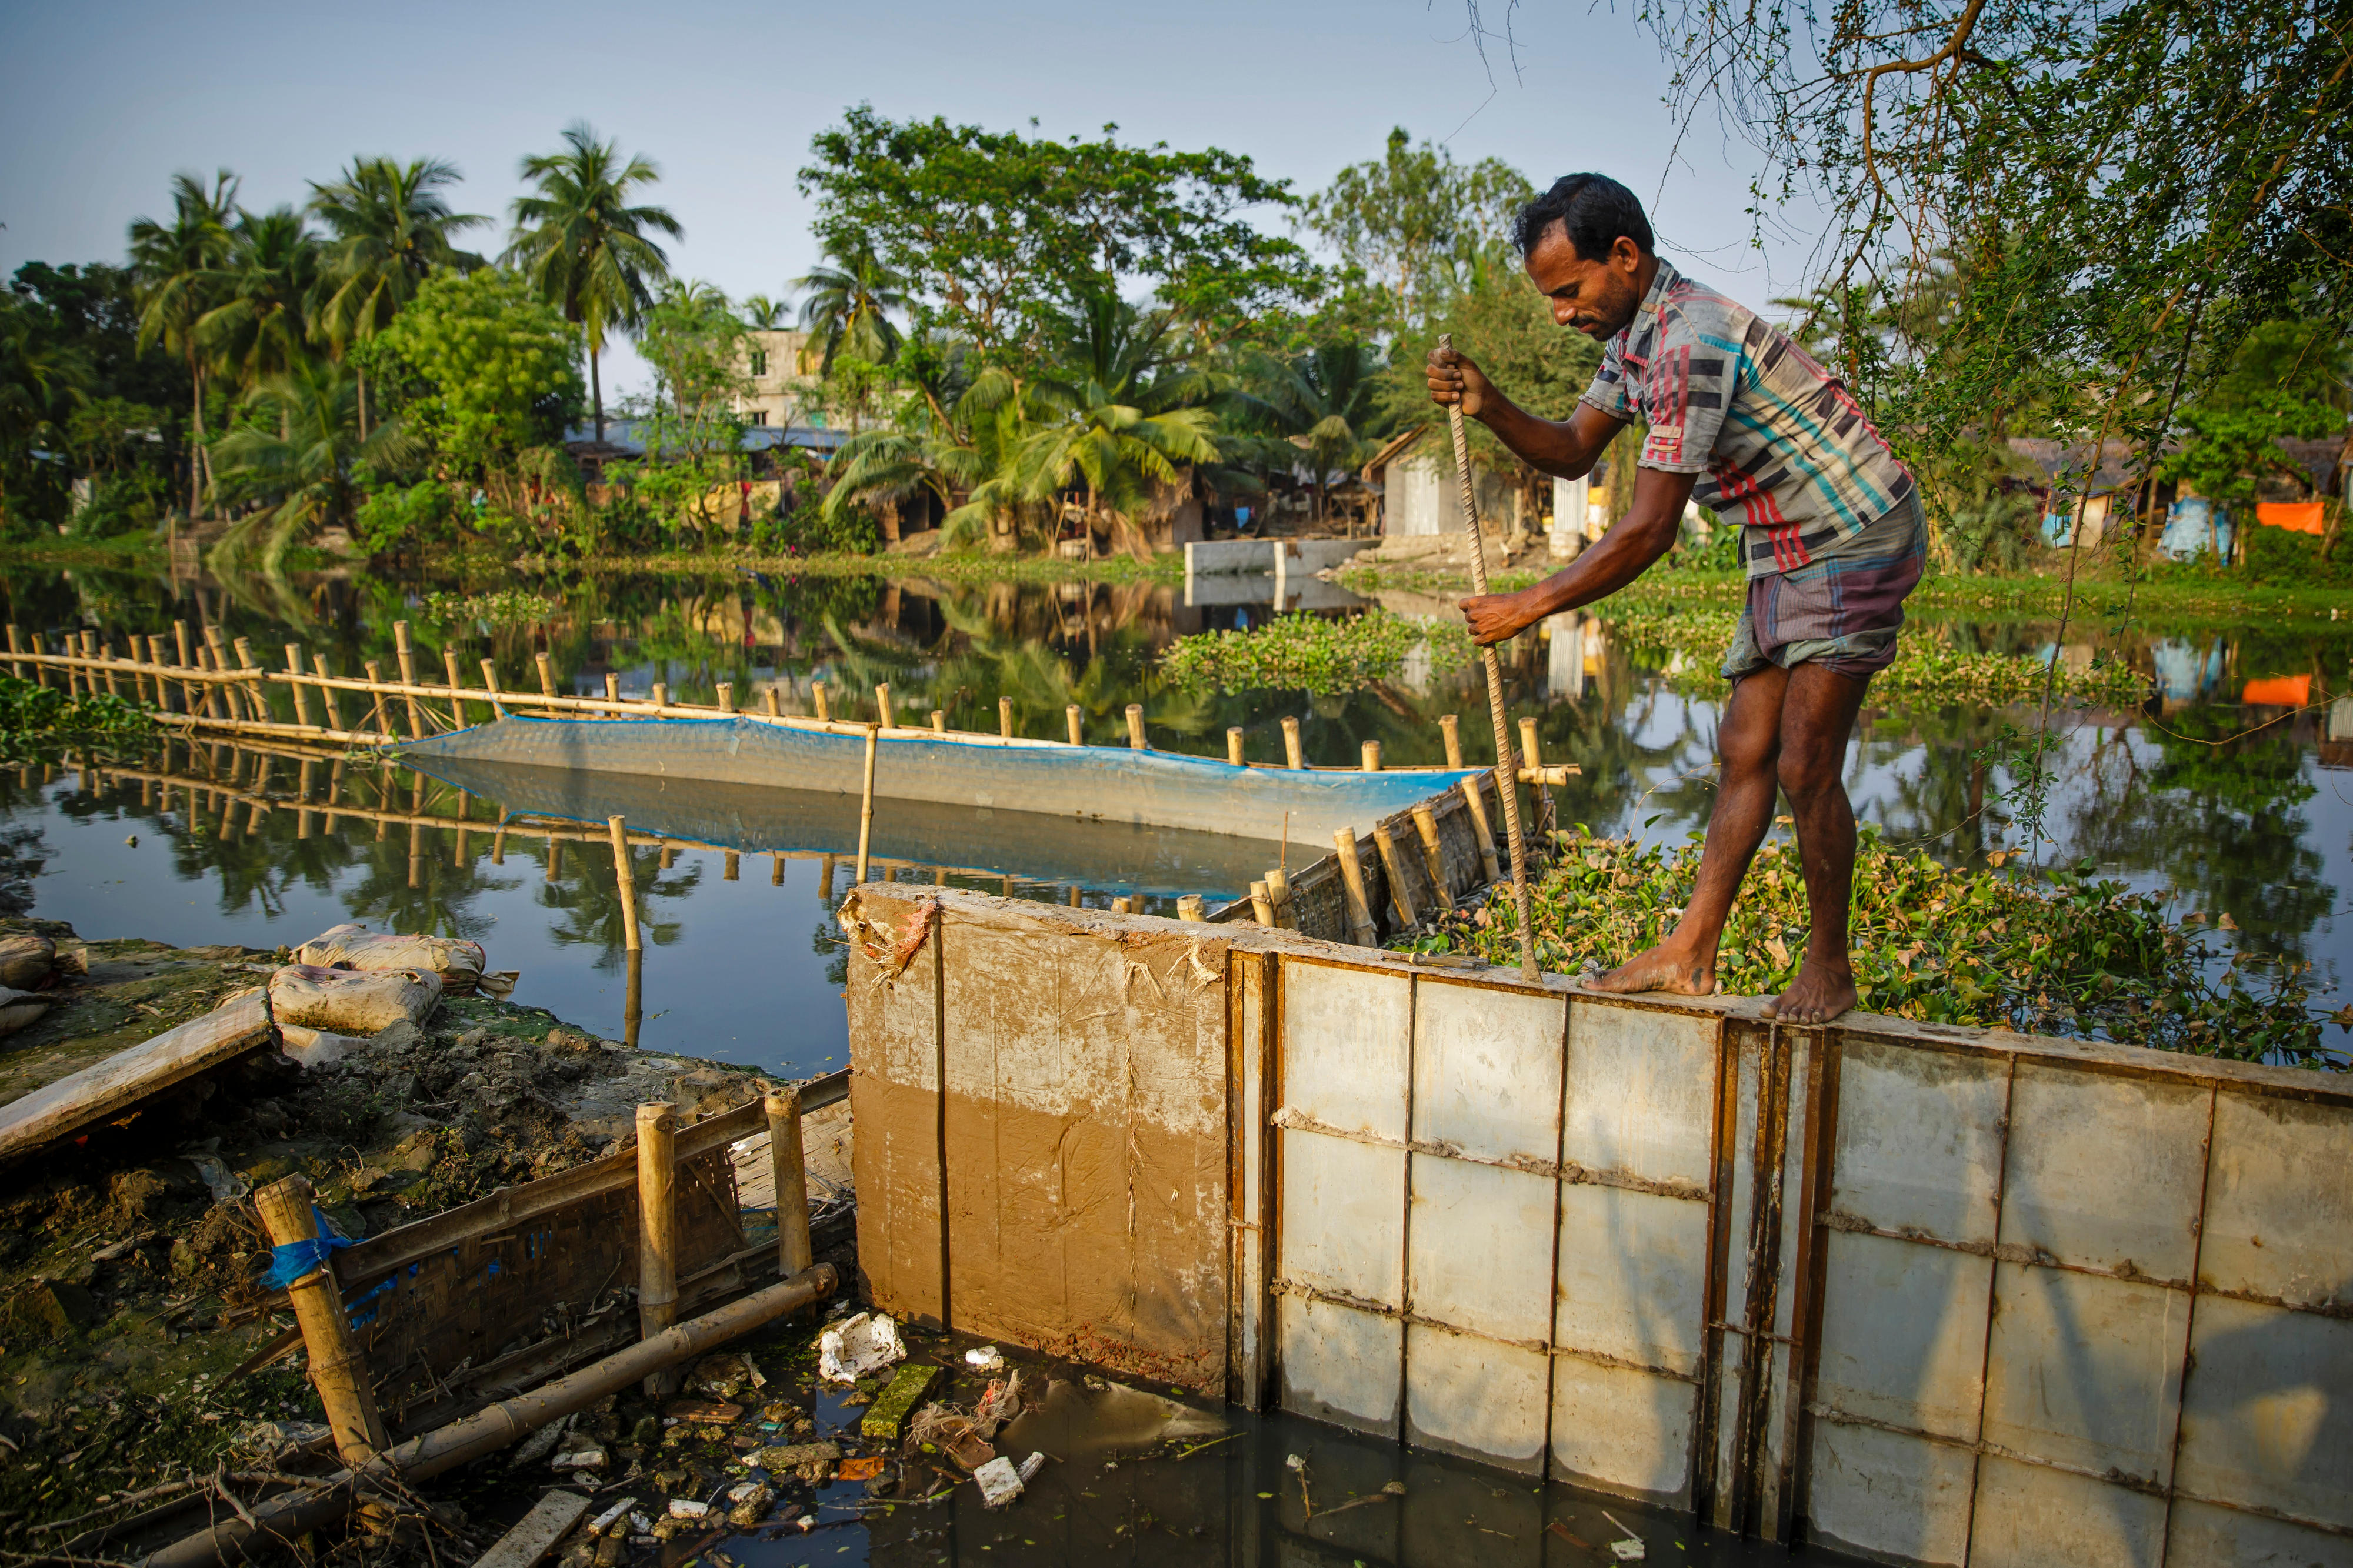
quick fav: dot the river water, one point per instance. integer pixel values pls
(2233, 791)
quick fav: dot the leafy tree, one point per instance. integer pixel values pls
(850, 304)
(695, 342)
(267, 287)
(998, 229)
(1324, 403)
(40, 380)
(389, 229)
(763, 314)
(178, 265)
(2229, 452)
(304, 470)
(496, 371)
(583, 246)
(1415, 223)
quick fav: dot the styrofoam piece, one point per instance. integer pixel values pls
(857, 1346)
(1000, 1483)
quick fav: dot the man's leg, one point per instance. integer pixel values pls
(1748, 739)
(1817, 718)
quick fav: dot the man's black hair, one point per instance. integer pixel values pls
(1594, 208)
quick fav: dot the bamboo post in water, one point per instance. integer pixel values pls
(657, 1229)
(633, 1000)
(405, 652)
(554, 857)
(866, 802)
(1488, 866)
(16, 645)
(216, 648)
(180, 636)
(882, 706)
(1530, 761)
(1433, 855)
(490, 684)
(328, 696)
(337, 1371)
(252, 693)
(613, 694)
(91, 649)
(939, 721)
(1261, 904)
(623, 874)
(457, 683)
(1278, 894)
(546, 674)
(1361, 930)
(302, 698)
(768, 702)
(660, 697)
(817, 700)
(1372, 756)
(1078, 731)
(1188, 907)
(376, 721)
(1393, 865)
(1293, 756)
(788, 1164)
(1450, 729)
(727, 697)
(731, 866)
(1004, 717)
(1506, 773)
(777, 868)
(1234, 747)
(1135, 727)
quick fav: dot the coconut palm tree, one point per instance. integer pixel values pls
(584, 246)
(177, 267)
(1324, 403)
(850, 304)
(304, 471)
(38, 380)
(762, 314)
(267, 288)
(389, 229)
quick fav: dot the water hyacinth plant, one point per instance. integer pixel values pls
(1325, 657)
(35, 720)
(2061, 953)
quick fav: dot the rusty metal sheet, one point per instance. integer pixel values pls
(1632, 1276)
(1486, 1071)
(1904, 1334)
(2085, 1372)
(1618, 1430)
(2279, 1206)
(1346, 1039)
(2266, 1421)
(1919, 1140)
(2227, 1538)
(2106, 1171)
(1343, 1217)
(2031, 1517)
(1469, 1395)
(1479, 1255)
(1641, 1094)
(1888, 1496)
(1340, 1364)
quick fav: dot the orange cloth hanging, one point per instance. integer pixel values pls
(2278, 691)
(2295, 515)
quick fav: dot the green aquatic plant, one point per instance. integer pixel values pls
(35, 720)
(2064, 952)
(1304, 653)
(501, 608)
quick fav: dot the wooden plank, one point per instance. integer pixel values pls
(105, 1089)
(529, 1542)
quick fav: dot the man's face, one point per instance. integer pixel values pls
(1599, 298)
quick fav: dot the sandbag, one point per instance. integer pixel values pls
(351, 1001)
(18, 1008)
(461, 964)
(25, 959)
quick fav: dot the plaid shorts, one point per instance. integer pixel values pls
(1841, 609)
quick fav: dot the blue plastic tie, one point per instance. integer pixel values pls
(292, 1260)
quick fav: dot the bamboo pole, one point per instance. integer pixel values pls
(633, 1000)
(1361, 928)
(1450, 729)
(939, 721)
(377, 720)
(180, 635)
(770, 703)
(1188, 907)
(1433, 855)
(1278, 894)
(657, 1229)
(325, 671)
(405, 651)
(1004, 717)
(1393, 864)
(1292, 755)
(731, 866)
(16, 645)
(1372, 756)
(623, 873)
(302, 698)
(788, 1164)
(554, 857)
(450, 670)
(546, 674)
(883, 705)
(816, 699)
(416, 854)
(337, 1370)
(866, 804)
(162, 688)
(1078, 729)
(726, 697)
(1485, 835)
(1135, 728)
(91, 649)
(1234, 747)
(1261, 904)
(1506, 771)
(777, 868)
(661, 694)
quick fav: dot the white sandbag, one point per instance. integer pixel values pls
(25, 959)
(18, 1008)
(351, 1001)
(316, 1047)
(459, 964)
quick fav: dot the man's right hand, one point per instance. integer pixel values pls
(1454, 379)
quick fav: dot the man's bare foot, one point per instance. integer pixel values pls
(1819, 993)
(1662, 968)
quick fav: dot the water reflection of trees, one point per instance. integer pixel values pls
(585, 895)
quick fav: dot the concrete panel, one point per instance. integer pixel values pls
(2266, 1420)
(2225, 1537)
(2279, 1206)
(1486, 1071)
(1479, 1249)
(2030, 1517)
(1468, 1395)
(1339, 1364)
(1904, 1334)
(1617, 1431)
(1633, 1277)
(2086, 1371)
(1641, 1093)
(1919, 1140)
(1346, 1034)
(2106, 1171)
(1889, 1497)
(1343, 1225)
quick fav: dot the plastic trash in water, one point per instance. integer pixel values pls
(1000, 1483)
(1030, 1466)
(687, 1508)
(1630, 1548)
(857, 1346)
(988, 1358)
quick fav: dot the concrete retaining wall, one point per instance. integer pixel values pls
(1933, 1295)
(1283, 557)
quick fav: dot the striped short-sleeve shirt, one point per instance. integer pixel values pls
(1781, 447)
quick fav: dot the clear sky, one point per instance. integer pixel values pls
(101, 104)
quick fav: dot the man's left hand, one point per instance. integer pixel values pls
(1496, 617)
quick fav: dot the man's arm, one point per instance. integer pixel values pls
(1633, 542)
(1566, 450)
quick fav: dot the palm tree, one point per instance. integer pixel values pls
(305, 471)
(389, 230)
(37, 379)
(1323, 403)
(266, 288)
(762, 314)
(177, 267)
(584, 247)
(848, 306)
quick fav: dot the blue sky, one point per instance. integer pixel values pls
(100, 105)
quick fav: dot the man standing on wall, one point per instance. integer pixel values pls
(1742, 420)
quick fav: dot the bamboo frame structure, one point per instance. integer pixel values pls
(337, 1370)
(657, 1227)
